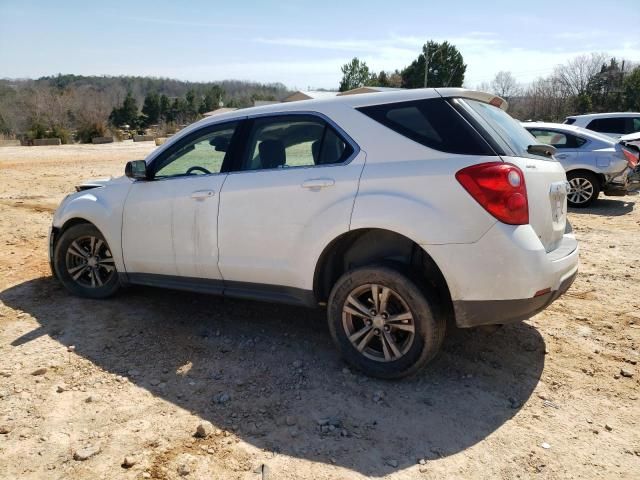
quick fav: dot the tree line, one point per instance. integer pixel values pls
(591, 83)
(584, 84)
(76, 107)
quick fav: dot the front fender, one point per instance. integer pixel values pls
(103, 208)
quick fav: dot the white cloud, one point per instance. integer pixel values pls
(484, 53)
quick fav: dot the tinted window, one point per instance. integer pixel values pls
(557, 139)
(503, 129)
(607, 125)
(433, 123)
(569, 121)
(635, 125)
(201, 154)
(294, 141)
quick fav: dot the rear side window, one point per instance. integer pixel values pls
(294, 141)
(569, 121)
(557, 139)
(607, 125)
(433, 123)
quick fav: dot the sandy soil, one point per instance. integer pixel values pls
(134, 376)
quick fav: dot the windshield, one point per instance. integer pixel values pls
(503, 129)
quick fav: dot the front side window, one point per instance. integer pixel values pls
(294, 141)
(203, 154)
(635, 125)
(607, 125)
(433, 123)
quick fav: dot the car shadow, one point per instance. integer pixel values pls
(606, 207)
(277, 363)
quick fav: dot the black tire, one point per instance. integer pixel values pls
(589, 186)
(100, 281)
(416, 349)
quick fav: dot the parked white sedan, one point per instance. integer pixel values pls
(397, 211)
(594, 162)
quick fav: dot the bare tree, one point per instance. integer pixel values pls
(484, 87)
(505, 85)
(576, 73)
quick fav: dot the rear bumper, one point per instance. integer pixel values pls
(473, 313)
(499, 278)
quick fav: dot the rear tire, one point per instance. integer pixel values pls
(584, 190)
(84, 263)
(391, 337)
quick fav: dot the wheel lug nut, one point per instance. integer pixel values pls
(373, 313)
(386, 328)
(377, 331)
(385, 316)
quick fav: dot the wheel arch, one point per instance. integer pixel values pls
(598, 175)
(364, 246)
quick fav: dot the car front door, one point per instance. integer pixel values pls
(294, 187)
(170, 221)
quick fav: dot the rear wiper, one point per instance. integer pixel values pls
(541, 149)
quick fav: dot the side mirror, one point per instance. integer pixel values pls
(136, 169)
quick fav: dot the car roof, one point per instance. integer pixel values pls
(606, 115)
(563, 127)
(355, 101)
(329, 105)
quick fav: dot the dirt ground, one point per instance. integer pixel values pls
(135, 375)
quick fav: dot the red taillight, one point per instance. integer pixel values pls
(499, 187)
(632, 158)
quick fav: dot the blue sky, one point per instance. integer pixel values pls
(302, 44)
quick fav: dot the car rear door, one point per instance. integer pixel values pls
(295, 185)
(568, 146)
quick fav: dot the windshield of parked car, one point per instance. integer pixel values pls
(503, 129)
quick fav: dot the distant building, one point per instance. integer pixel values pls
(356, 91)
(309, 95)
(218, 111)
(259, 103)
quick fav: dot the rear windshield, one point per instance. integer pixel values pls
(431, 122)
(509, 135)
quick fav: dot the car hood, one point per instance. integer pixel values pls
(100, 182)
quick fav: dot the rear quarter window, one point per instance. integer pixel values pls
(509, 136)
(433, 123)
(608, 125)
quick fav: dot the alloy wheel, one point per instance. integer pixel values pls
(580, 191)
(89, 262)
(378, 322)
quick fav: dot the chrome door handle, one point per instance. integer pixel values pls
(562, 155)
(318, 183)
(202, 194)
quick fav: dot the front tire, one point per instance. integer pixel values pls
(383, 323)
(584, 189)
(84, 263)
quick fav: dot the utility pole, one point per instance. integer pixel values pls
(426, 67)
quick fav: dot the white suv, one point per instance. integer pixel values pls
(612, 124)
(398, 211)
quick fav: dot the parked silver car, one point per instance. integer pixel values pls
(594, 162)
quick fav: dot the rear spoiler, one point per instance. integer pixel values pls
(474, 95)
